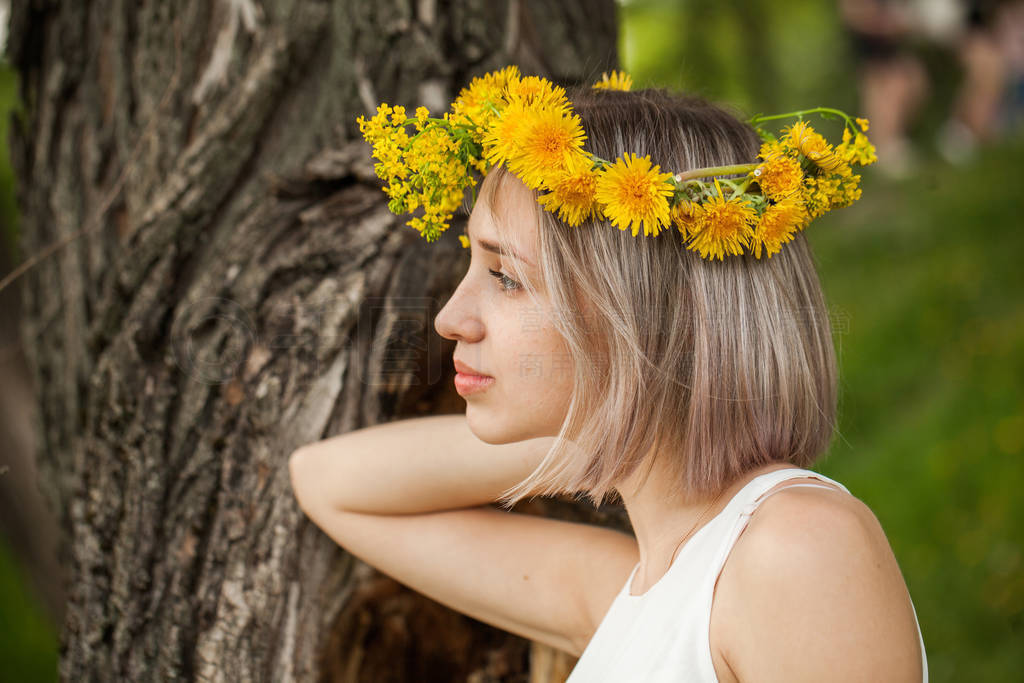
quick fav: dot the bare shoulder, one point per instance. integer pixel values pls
(812, 591)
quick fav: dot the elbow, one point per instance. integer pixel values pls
(299, 471)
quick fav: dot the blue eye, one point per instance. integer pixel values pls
(507, 283)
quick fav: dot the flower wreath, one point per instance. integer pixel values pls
(527, 124)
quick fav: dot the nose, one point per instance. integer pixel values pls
(458, 319)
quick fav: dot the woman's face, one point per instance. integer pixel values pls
(501, 332)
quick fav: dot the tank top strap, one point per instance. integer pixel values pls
(762, 487)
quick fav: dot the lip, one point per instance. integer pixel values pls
(469, 381)
(464, 369)
(471, 384)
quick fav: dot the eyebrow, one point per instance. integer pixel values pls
(496, 249)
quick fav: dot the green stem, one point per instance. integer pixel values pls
(713, 171)
(736, 186)
(426, 126)
(754, 120)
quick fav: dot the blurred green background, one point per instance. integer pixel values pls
(925, 286)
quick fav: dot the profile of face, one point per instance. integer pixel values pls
(502, 332)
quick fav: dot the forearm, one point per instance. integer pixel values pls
(410, 466)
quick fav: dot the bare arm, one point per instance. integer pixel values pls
(409, 498)
(416, 465)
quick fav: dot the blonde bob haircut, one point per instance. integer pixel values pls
(717, 366)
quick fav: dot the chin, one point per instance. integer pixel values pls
(496, 431)
(489, 429)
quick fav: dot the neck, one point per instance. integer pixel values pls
(661, 517)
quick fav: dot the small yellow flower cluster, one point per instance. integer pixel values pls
(428, 170)
(528, 125)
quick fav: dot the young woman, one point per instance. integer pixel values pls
(696, 389)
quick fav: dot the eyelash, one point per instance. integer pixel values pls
(507, 283)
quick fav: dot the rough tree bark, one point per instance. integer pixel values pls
(240, 289)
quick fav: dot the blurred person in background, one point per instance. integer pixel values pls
(1009, 27)
(982, 48)
(893, 82)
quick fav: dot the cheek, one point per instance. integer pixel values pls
(541, 366)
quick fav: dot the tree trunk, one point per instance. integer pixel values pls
(240, 289)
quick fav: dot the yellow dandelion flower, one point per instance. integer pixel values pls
(501, 141)
(572, 192)
(804, 139)
(725, 228)
(633, 193)
(535, 91)
(800, 136)
(618, 80)
(773, 147)
(548, 140)
(832, 163)
(777, 225)
(688, 217)
(779, 175)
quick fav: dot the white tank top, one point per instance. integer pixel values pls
(663, 634)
